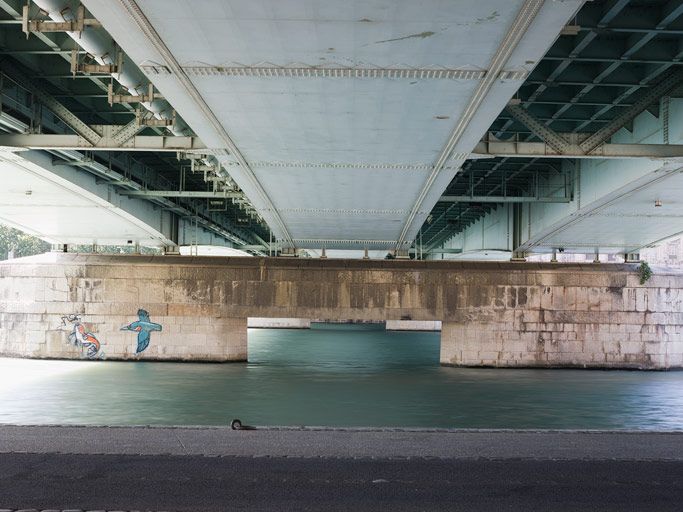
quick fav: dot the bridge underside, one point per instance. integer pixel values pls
(341, 122)
(480, 129)
(604, 78)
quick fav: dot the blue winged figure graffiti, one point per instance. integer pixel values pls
(143, 326)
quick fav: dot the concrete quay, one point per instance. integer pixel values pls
(215, 469)
(492, 314)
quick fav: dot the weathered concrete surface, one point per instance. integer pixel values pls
(495, 314)
(413, 325)
(278, 323)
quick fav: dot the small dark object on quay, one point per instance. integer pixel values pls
(237, 425)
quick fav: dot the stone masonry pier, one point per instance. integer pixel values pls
(196, 308)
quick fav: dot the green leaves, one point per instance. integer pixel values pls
(645, 272)
(22, 243)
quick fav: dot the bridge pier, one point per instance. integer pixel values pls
(65, 305)
(569, 326)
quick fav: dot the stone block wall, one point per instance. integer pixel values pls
(182, 338)
(196, 308)
(56, 312)
(571, 323)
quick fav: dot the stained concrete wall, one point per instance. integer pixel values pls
(493, 314)
(413, 325)
(279, 323)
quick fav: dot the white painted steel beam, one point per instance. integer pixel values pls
(502, 199)
(75, 142)
(63, 204)
(485, 149)
(514, 149)
(183, 193)
(317, 71)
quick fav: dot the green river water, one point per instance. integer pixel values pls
(336, 375)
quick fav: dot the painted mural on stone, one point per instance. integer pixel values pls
(144, 327)
(79, 337)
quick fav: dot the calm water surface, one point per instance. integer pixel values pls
(336, 376)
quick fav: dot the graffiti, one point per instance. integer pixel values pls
(143, 327)
(79, 337)
(69, 319)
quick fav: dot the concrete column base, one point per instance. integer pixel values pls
(88, 335)
(608, 344)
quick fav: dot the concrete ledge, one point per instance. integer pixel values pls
(344, 443)
(278, 323)
(413, 325)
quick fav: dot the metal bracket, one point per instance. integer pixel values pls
(217, 204)
(89, 67)
(29, 26)
(196, 167)
(144, 120)
(132, 98)
(632, 257)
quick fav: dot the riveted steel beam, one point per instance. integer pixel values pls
(106, 143)
(502, 199)
(520, 149)
(183, 193)
(71, 120)
(174, 67)
(554, 140)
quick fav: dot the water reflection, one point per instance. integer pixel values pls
(338, 376)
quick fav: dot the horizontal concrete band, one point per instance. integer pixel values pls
(343, 443)
(491, 313)
(324, 289)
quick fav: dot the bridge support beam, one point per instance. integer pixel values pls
(562, 324)
(192, 308)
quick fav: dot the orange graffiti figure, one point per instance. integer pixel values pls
(84, 339)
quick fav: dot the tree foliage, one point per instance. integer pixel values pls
(645, 272)
(21, 243)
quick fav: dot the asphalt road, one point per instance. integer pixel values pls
(200, 469)
(126, 482)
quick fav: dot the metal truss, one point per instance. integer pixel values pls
(594, 144)
(492, 147)
(120, 169)
(593, 81)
